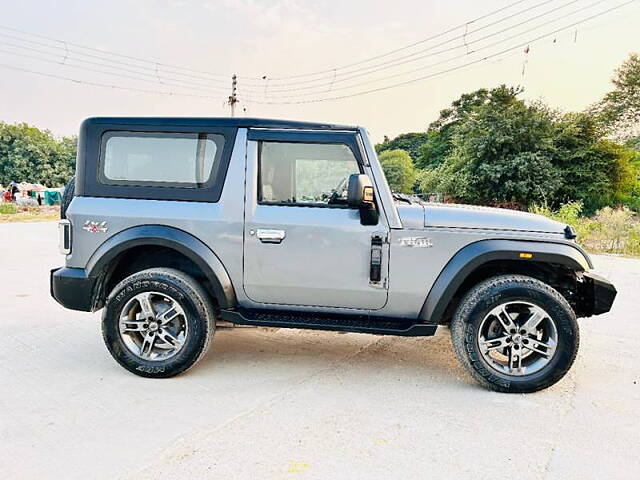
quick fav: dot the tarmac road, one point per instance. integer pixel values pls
(295, 404)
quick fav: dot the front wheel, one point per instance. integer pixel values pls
(158, 322)
(515, 334)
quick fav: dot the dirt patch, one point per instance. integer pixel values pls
(32, 214)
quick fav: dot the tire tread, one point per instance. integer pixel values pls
(197, 294)
(463, 336)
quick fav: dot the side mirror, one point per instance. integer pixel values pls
(360, 191)
(360, 194)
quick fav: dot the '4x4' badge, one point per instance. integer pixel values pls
(95, 227)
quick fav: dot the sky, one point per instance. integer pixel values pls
(180, 55)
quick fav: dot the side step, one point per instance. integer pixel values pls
(340, 323)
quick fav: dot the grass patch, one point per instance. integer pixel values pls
(610, 230)
(8, 209)
(9, 212)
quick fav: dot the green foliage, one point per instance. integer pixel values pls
(501, 152)
(32, 155)
(568, 213)
(399, 170)
(409, 142)
(633, 143)
(442, 131)
(498, 149)
(8, 209)
(608, 231)
(619, 111)
(595, 171)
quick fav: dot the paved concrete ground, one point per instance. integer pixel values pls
(295, 404)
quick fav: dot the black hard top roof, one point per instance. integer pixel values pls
(217, 121)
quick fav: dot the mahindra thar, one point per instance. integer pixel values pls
(174, 224)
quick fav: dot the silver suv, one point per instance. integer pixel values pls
(173, 224)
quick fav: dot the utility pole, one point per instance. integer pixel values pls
(233, 98)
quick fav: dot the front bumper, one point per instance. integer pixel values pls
(72, 288)
(598, 294)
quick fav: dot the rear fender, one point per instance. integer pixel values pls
(101, 261)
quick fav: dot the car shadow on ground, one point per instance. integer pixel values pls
(249, 350)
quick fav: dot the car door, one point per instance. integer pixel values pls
(302, 244)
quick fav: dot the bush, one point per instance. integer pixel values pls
(608, 231)
(8, 209)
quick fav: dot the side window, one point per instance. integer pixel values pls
(162, 159)
(305, 174)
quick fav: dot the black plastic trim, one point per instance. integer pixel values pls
(469, 258)
(102, 259)
(600, 294)
(234, 122)
(334, 322)
(285, 136)
(72, 288)
(90, 145)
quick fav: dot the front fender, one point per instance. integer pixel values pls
(474, 255)
(173, 238)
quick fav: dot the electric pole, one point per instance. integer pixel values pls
(233, 98)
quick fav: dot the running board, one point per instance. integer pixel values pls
(340, 323)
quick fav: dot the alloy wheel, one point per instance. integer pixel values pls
(153, 326)
(517, 338)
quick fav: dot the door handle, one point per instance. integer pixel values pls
(270, 236)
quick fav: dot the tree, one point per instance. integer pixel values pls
(500, 153)
(499, 149)
(409, 142)
(399, 170)
(35, 156)
(595, 171)
(442, 131)
(619, 110)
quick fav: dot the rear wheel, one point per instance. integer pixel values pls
(515, 334)
(158, 322)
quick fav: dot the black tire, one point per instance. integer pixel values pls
(199, 317)
(67, 196)
(491, 293)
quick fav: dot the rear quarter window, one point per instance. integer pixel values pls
(163, 159)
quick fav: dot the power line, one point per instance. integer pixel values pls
(468, 44)
(171, 93)
(115, 74)
(107, 85)
(66, 62)
(106, 52)
(449, 70)
(373, 68)
(63, 44)
(67, 53)
(391, 52)
(157, 78)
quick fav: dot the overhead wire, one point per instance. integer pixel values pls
(405, 47)
(432, 54)
(159, 80)
(173, 69)
(467, 33)
(449, 70)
